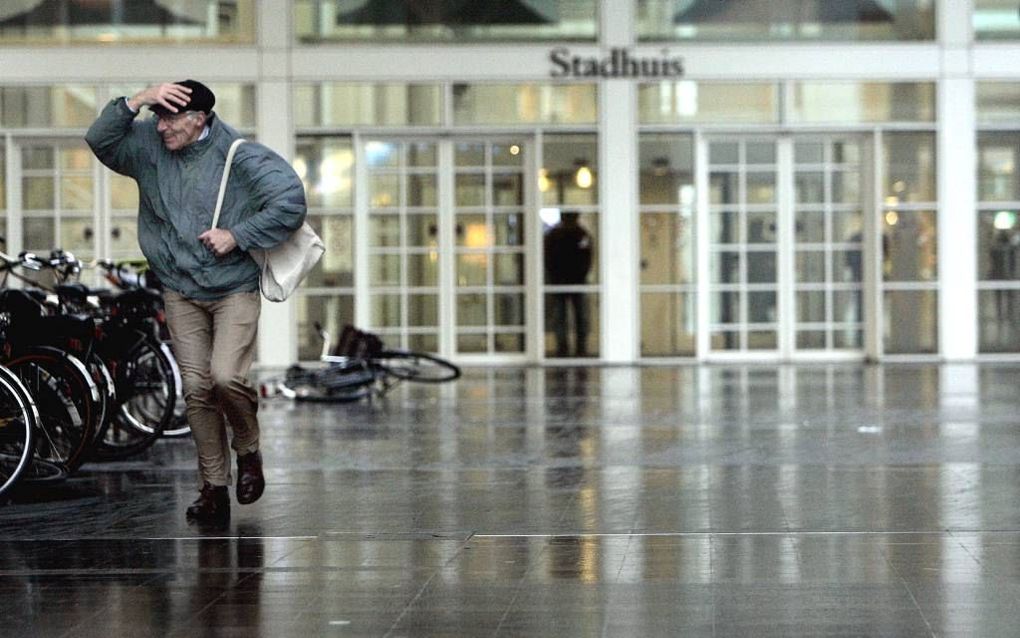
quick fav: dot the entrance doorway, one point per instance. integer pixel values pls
(783, 248)
(447, 232)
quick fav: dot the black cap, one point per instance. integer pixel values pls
(202, 99)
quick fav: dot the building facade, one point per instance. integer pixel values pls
(761, 181)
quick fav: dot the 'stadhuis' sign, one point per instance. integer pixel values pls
(619, 63)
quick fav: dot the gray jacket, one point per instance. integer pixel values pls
(264, 202)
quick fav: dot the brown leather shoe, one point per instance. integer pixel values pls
(250, 482)
(212, 504)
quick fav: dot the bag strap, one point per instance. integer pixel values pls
(223, 180)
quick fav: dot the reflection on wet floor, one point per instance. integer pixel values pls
(725, 501)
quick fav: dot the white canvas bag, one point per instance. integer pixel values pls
(284, 266)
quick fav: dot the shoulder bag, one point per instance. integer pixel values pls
(283, 266)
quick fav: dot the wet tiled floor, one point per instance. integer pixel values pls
(692, 501)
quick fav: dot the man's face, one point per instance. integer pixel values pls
(180, 129)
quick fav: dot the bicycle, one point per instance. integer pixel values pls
(359, 367)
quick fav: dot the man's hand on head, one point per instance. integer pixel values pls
(172, 96)
(218, 240)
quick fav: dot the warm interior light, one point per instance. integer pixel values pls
(477, 236)
(515, 150)
(543, 179)
(583, 178)
(891, 218)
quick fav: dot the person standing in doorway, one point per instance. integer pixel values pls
(211, 284)
(568, 255)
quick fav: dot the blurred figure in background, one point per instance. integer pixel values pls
(568, 254)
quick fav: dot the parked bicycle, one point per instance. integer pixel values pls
(358, 367)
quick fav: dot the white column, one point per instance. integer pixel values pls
(278, 325)
(956, 159)
(618, 197)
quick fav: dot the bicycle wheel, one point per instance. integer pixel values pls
(332, 385)
(64, 393)
(145, 402)
(415, 366)
(107, 391)
(18, 422)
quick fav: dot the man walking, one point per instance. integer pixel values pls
(211, 284)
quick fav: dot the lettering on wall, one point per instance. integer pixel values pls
(619, 63)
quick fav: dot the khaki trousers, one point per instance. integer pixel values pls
(214, 342)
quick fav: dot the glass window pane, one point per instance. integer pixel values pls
(998, 154)
(811, 307)
(509, 343)
(77, 235)
(999, 245)
(999, 320)
(761, 307)
(507, 155)
(509, 229)
(666, 169)
(423, 310)
(508, 309)
(117, 23)
(666, 249)
(384, 270)
(65, 106)
(996, 20)
(509, 269)
(384, 190)
(123, 192)
(524, 104)
(569, 173)
(724, 188)
(762, 20)
(810, 226)
(725, 227)
(555, 20)
(331, 312)
(470, 189)
(472, 269)
(911, 321)
(507, 189)
(76, 193)
(352, 104)
(421, 190)
(124, 236)
(469, 154)
(422, 230)
(708, 102)
(726, 307)
(37, 193)
(423, 269)
(997, 102)
(810, 266)
(761, 267)
(761, 188)
(810, 188)
(863, 102)
(336, 268)
(326, 168)
(667, 324)
(472, 230)
(909, 246)
(472, 343)
(384, 230)
(471, 310)
(385, 311)
(761, 227)
(909, 167)
(39, 234)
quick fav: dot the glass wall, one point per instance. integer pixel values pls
(998, 249)
(61, 22)
(763, 20)
(666, 192)
(689, 102)
(996, 20)
(569, 214)
(862, 102)
(476, 104)
(326, 167)
(445, 20)
(348, 105)
(66, 106)
(909, 250)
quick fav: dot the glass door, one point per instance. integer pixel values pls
(446, 244)
(58, 204)
(743, 216)
(784, 249)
